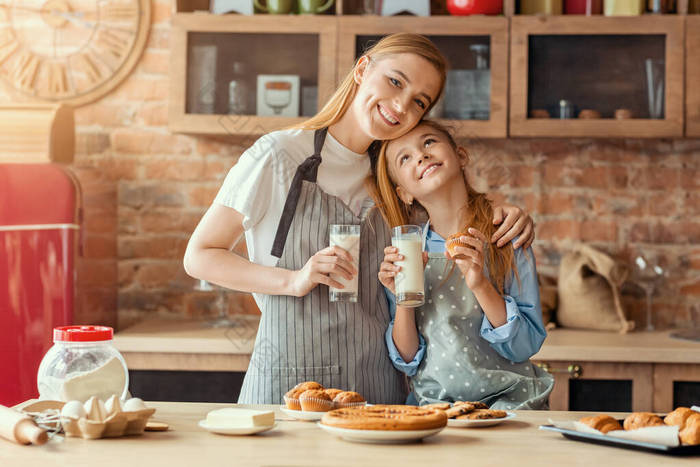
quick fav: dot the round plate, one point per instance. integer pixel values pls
(380, 436)
(302, 415)
(249, 430)
(479, 423)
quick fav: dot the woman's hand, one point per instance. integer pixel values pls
(514, 221)
(472, 264)
(317, 270)
(388, 270)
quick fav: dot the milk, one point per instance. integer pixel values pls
(346, 237)
(409, 280)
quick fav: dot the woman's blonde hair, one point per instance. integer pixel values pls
(478, 211)
(393, 44)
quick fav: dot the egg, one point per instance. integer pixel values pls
(74, 410)
(134, 404)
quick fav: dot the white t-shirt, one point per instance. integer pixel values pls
(258, 184)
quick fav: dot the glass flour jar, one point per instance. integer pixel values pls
(82, 363)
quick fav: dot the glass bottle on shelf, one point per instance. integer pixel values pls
(541, 7)
(239, 91)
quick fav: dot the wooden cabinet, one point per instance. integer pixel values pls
(676, 385)
(597, 63)
(692, 77)
(457, 38)
(589, 386)
(205, 48)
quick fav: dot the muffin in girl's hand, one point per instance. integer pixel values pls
(315, 400)
(349, 399)
(454, 241)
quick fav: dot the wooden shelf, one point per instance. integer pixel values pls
(523, 28)
(692, 76)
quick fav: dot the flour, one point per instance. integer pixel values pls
(102, 382)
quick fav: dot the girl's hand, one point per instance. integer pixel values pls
(317, 270)
(514, 221)
(472, 266)
(388, 270)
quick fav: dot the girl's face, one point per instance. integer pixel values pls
(423, 161)
(394, 93)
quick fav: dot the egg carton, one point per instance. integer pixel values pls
(96, 419)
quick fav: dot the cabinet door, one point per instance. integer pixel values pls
(582, 385)
(249, 75)
(675, 385)
(475, 101)
(626, 72)
(692, 47)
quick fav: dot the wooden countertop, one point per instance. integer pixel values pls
(193, 345)
(515, 442)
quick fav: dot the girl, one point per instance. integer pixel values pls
(283, 194)
(478, 327)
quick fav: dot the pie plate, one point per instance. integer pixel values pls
(453, 422)
(248, 430)
(380, 436)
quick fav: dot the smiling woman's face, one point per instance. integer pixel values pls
(394, 93)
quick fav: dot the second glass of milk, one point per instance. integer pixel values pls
(346, 237)
(409, 280)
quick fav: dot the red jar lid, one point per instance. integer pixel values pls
(82, 333)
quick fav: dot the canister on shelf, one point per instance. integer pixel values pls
(541, 7)
(623, 7)
(583, 7)
(566, 109)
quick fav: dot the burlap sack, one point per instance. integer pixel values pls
(548, 299)
(589, 295)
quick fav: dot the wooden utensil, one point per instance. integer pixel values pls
(20, 428)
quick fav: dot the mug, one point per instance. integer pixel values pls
(276, 7)
(311, 7)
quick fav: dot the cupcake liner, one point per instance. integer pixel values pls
(292, 404)
(321, 405)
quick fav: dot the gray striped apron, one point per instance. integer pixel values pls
(340, 345)
(459, 364)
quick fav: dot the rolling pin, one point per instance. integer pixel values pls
(20, 428)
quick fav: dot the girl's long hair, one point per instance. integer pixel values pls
(393, 44)
(478, 213)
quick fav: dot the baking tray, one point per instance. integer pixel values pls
(625, 443)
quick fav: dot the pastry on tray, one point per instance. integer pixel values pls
(348, 399)
(641, 420)
(602, 423)
(385, 417)
(690, 432)
(291, 399)
(332, 392)
(679, 416)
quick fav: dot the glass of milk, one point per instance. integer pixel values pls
(346, 237)
(409, 280)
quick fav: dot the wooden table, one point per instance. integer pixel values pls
(295, 443)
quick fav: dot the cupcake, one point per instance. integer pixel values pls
(291, 399)
(333, 392)
(454, 241)
(315, 400)
(308, 385)
(349, 399)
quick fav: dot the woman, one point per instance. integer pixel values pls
(284, 193)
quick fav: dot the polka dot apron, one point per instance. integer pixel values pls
(459, 364)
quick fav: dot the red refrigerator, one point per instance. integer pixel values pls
(40, 217)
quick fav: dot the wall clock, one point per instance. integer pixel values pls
(72, 51)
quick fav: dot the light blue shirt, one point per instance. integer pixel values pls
(517, 340)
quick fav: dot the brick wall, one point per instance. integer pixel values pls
(145, 189)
